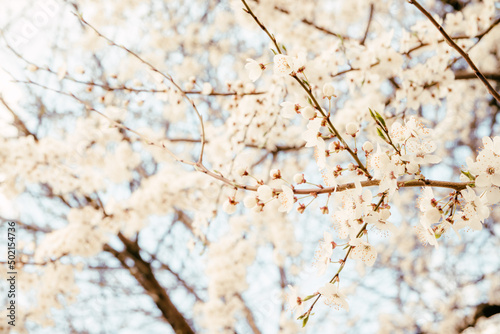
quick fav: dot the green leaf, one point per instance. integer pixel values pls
(381, 119)
(275, 53)
(308, 297)
(468, 174)
(304, 322)
(381, 134)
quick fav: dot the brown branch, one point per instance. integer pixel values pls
(279, 148)
(343, 187)
(370, 17)
(18, 123)
(26, 226)
(188, 287)
(145, 276)
(454, 45)
(467, 76)
(485, 310)
(249, 315)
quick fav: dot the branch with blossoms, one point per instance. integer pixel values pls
(412, 147)
(191, 88)
(317, 190)
(356, 249)
(285, 65)
(282, 67)
(454, 45)
(393, 164)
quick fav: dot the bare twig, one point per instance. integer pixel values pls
(370, 17)
(249, 315)
(478, 36)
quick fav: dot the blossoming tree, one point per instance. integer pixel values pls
(233, 166)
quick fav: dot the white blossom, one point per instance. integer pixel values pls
(324, 253)
(294, 301)
(254, 69)
(333, 296)
(265, 193)
(328, 90)
(286, 198)
(363, 251)
(283, 65)
(288, 110)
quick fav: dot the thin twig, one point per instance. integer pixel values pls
(154, 69)
(370, 17)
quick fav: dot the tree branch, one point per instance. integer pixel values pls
(143, 273)
(454, 45)
(370, 17)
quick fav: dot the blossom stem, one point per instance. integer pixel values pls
(263, 27)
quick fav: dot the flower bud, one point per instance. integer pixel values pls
(351, 128)
(265, 193)
(328, 90)
(250, 202)
(79, 69)
(367, 147)
(308, 112)
(299, 178)
(207, 88)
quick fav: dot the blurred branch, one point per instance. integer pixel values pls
(18, 123)
(482, 310)
(249, 316)
(279, 148)
(143, 273)
(478, 36)
(370, 17)
(163, 74)
(310, 23)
